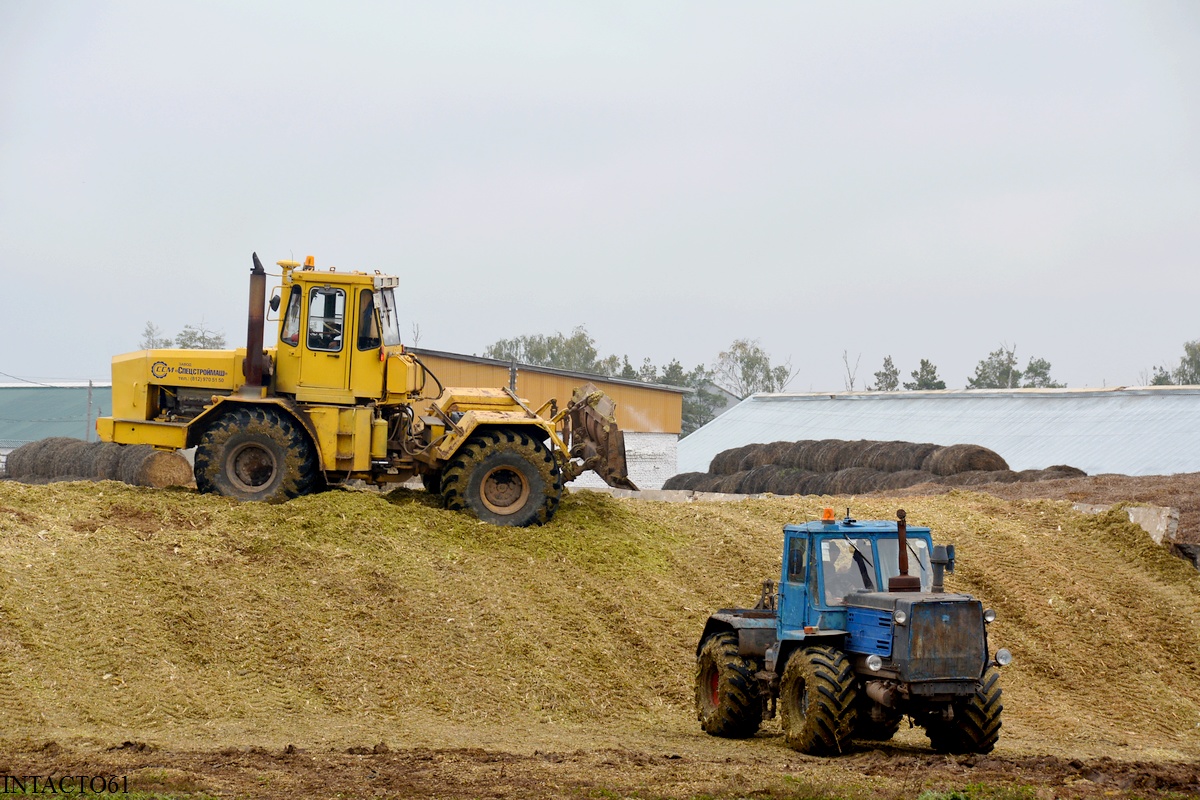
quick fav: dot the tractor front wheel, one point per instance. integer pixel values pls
(727, 699)
(503, 477)
(976, 724)
(256, 453)
(817, 695)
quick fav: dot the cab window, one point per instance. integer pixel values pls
(797, 550)
(326, 313)
(918, 560)
(846, 566)
(368, 323)
(389, 317)
(290, 334)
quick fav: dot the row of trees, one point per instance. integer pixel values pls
(998, 371)
(192, 337)
(1186, 374)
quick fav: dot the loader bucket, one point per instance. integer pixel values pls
(595, 437)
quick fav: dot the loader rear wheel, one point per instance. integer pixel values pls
(976, 724)
(256, 454)
(728, 702)
(503, 477)
(817, 694)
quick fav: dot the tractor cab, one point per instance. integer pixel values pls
(339, 333)
(829, 561)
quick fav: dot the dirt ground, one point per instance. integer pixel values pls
(756, 772)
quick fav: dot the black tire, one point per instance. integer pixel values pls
(728, 702)
(976, 724)
(432, 481)
(503, 477)
(874, 722)
(256, 453)
(817, 708)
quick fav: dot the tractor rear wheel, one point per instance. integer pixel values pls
(976, 724)
(817, 695)
(256, 453)
(727, 699)
(504, 477)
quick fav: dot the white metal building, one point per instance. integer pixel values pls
(1132, 431)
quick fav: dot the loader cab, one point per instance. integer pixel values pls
(826, 562)
(335, 332)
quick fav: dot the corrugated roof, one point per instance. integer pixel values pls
(1144, 431)
(29, 413)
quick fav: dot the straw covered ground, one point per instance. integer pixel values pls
(356, 644)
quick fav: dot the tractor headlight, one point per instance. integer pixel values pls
(899, 617)
(875, 663)
(989, 616)
(1003, 657)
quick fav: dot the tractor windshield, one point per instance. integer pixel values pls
(846, 567)
(918, 560)
(389, 318)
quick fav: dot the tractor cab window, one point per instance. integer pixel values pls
(326, 313)
(846, 566)
(291, 319)
(389, 318)
(797, 551)
(918, 560)
(368, 323)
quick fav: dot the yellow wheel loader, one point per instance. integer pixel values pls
(338, 398)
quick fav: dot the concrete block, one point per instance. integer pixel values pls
(1161, 522)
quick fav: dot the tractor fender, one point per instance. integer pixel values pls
(755, 629)
(221, 403)
(828, 638)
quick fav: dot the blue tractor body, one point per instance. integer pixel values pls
(865, 625)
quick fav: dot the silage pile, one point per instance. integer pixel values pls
(62, 458)
(348, 617)
(835, 466)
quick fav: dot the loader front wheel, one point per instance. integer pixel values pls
(728, 702)
(256, 454)
(503, 477)
(817, 694)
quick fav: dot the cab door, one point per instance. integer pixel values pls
(793, 593)
(325, 361)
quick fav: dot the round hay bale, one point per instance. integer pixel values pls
(728, 461)
(758, 455)
(799, 455)
(784, 481)
(757, 479)
(36, 459)
(731, 484)
(684, 480)
(777, 452)
(959, 458)
(1065, 471)
(824, 455)
(69, 459)
(905, 478)
(130, 461)
(897, 456)
(103, 460)
(851, 454)
(161, 469)
(815, 483)
(855, 480)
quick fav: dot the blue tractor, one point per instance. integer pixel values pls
(851, 642)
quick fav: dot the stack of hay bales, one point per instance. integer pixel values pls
(835, 466)
(61, 458)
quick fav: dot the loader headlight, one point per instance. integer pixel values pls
(1003, 657)
(989, 616)
(875, 663)
(899, 617)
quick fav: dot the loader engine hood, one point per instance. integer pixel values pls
(931, 640)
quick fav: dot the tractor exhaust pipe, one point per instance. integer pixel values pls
(903, 582)
(254, 329)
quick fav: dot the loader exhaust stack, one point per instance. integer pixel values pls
(254, 329)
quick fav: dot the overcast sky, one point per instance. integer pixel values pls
(925, 180)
